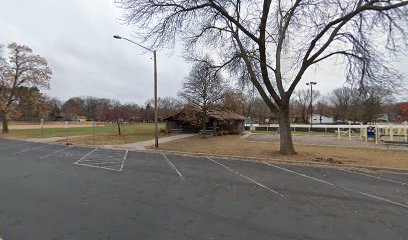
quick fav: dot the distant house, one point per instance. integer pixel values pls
(321, 119)
(80, 119)
(217, 121)
(382, 118)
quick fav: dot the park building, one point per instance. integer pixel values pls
(218, 122)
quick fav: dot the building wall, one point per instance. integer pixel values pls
(235, 126)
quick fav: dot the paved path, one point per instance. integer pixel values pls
(142, 145)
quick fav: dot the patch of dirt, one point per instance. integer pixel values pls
(327, 160)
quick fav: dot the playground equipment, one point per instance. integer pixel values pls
(377, 132)
(388, 132)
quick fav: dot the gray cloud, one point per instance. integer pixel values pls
(76, 37)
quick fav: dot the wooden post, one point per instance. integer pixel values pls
(338, 133)
(361, 132)
(391, 133)
(405, 131)
(366, 134)
(376, 134)
(349, 131)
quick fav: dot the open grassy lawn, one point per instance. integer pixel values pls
(104, 135)
(234, 146)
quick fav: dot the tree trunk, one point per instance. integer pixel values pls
(5, 128)
(204, 129)
(286, 144)
(119, 129)
(204, 124)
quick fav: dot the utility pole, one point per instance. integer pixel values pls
(311, 102)
(156, 131)
(156, 134)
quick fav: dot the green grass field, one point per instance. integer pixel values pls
(103, 134)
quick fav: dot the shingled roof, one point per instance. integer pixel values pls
(225, 115)
(222, 115)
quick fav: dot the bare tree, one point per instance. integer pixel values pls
(233, 100)
(203, 89)
(273, 43)
(21, 69)
(342, 101)
(120, 114)
(73, 108)
(166, 106)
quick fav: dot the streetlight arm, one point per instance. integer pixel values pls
(156, 132)
(119, 37)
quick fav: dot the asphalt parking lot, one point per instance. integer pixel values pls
(50, 191)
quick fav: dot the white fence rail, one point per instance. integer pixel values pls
(388, 132)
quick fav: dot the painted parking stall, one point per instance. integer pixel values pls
(104, 159)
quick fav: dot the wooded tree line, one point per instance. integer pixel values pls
(342, 105)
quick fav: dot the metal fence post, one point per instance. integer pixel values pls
(66, 129)
(42, 126)
(93, 132)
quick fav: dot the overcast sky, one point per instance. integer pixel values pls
(76, 38)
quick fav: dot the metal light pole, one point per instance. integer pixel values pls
(156, 132)
(311, 102)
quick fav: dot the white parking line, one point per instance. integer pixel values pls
(61, 150)
(124, 159)
(85, 156)
(379, 198)
(382, 178)
(102, 163)
(89, 165)
(300, 174)
(246, 177)
(106, 160)
(29, 149)
(172, 165)
(344, 188)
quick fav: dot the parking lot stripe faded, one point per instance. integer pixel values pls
(300, 174)
(172, 166)
(89, 165)
(246, 177)
(29, 149)
(61, 150)
(382, 178)
(124, 159)
(344, 188)
(83, 157)
(379, 198)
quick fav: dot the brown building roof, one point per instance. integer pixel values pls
(222, 115)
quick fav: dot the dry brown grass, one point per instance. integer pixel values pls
(233, 145)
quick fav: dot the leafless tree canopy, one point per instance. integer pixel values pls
(203, 87)
(204, 90)
(273, 43)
